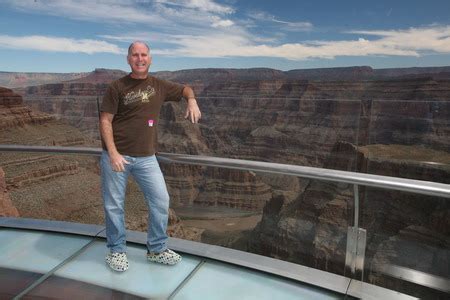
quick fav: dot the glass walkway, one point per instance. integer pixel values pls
(60, 265)
(61, 260)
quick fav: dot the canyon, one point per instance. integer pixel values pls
(392, 122)
(56, 187)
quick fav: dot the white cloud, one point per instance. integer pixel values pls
(202, 5)
(95, 11)
(214, 31)
(222, 23)
(239, 43)
(283, 25)
(159, 12)
(295, 26)
(414, 42)
(57, 44)
(434, 38)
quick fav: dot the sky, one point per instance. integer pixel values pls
(81, 35)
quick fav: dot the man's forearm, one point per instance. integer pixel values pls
(107, 135)
(188, 93)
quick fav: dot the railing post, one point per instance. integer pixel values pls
(356, 207)
(356, 242)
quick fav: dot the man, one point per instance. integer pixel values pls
(128, 125)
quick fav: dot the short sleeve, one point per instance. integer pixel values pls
(173, 91)
(110, 102)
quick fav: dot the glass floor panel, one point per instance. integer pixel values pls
(37, 251)
(215, 280)
(27, 255)
(145, 279)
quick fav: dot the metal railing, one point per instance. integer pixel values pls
(386, 182)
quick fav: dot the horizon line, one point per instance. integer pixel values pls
(252, 68)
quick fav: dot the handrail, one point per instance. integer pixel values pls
(386, 182)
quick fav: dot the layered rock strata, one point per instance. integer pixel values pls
(312, 229)
(57, 187)
(22, 79)
(274, 118)
(20, 125)
(75, 103)
(389, 127)
(7, 209)
(175, 227)
(14, 114)
(267, 116)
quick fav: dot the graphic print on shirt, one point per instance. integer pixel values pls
(142, 96)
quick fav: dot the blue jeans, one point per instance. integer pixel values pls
(150, 179)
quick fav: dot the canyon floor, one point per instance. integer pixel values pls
(220, 226)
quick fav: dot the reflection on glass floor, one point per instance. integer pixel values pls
(40, 264)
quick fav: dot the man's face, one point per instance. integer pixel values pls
(139, 60)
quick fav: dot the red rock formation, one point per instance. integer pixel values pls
(13, 113)
(7, 209)
(26, 172)
(309, 117)
(263, 114)
(278, 117)
(414, 247)
(175, 227)
(100, 76)
(8, 97)
(57, 187)
(20, 79)
(312, 229)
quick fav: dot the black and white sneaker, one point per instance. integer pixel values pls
(117, 261)
(167, 257)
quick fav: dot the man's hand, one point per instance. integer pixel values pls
(118, 162)
(193, 113)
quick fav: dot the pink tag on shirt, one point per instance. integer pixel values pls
(150, 123)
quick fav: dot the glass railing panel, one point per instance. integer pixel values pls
(63, 114)
(407, 234)
(284, 217)
(408, 245)
(72, 103)
(294, 126)
(409, 139)
(292, 130)
(53, 187)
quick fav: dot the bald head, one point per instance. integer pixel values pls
(139, 59)
(130, 48)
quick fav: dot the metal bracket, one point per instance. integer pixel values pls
(356, 251)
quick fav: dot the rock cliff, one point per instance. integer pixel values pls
(56, 187)
(388, 126)
(7, 209)
(75, 103)
(401, 227)
(22, 79)
(21, 125)
(261, 114)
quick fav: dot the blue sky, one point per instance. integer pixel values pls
(81, 35)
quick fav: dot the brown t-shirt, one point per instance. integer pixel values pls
(136, 104)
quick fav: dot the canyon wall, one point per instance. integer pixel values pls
(7, 209)
(57, 187)
(266, 116)
(403, 229)
(22, 79)
(397, 127)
